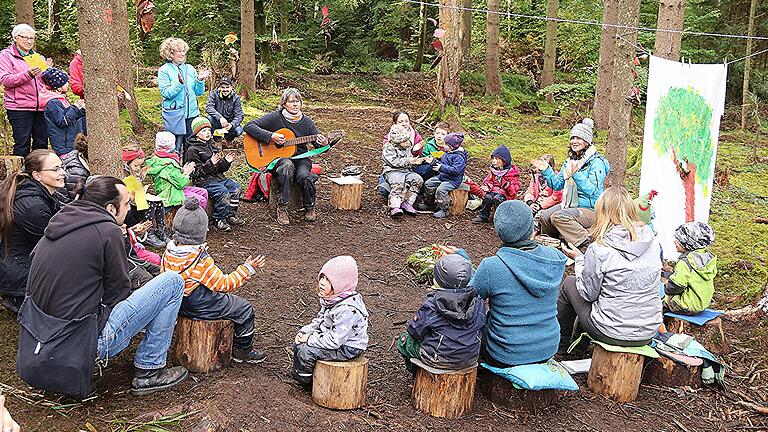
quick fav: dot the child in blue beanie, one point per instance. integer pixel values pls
(501, 184)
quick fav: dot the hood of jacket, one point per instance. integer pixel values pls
(702, 262)
(457, 305)
(354, 301)
(76, 215)
(618, 239)
(157, 164)
(538, 270)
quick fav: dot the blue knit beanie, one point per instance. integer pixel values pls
(502, 152)
(513, 221)
(55, 78)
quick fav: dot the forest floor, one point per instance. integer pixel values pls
(263, 397)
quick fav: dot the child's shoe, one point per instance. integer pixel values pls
(282, 216)
(222, 225)
(480, 219)
(422, 206)
(155, 241)
(396, 212)
(248, 356)
(234, 220)
(310, 215)
(408, 208)
(440, 214)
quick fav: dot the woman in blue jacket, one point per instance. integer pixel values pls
(180, 85)
(581, 179)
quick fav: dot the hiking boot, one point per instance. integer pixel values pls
(149, 381)
(155, 241)
(422, 206)
(440, 214)
(310, 215)
(408, 208)
(222, 225)
(282, 216)
(234, 220)
(395, 212)
(251, 356)
(480, 219)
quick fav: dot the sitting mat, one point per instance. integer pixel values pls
(699, 319)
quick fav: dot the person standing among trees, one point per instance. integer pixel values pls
(180, 85)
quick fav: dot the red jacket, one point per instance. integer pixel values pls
(76, 75)
(508, 185)
(547, 197)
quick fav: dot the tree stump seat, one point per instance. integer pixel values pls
(666, 372)
(615, 375)
(501, 391)
(711, 335)
(459, 198)
(202, 346)
(340, 385)
(443, 393)
(10, 166)
(296, 203)
(346, 193)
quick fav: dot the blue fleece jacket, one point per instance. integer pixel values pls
(521, 288)
(589, 179)
(173, 91)
(452, 165)
(63, 122)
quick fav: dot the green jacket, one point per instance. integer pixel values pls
(169, 180)
(429, 147)
(691, 287)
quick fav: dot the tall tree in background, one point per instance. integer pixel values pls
(747, 65)
(96, 27)
(448, 80)
(246, 75)
(466, 28)
(422, 37)
(671, 15)
(550, 45)
(124, 62)
(54, 19)
(621, 86)
(602, 109)
(492, 70)
(25, 12)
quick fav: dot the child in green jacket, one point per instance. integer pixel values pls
(169, 177)
(690, 286)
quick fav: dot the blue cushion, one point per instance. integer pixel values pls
(543, 376)
(699, 319)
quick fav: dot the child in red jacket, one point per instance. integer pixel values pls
(501, 183)
(539, 196)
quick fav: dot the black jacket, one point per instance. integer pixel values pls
(77, 172)
(231, 108)
(80, 266)
(200, 152)
(263, 127)
(33, 207)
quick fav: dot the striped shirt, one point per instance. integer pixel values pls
(196, 267)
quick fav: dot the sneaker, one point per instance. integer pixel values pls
(234, 220)
(479, 219)
(395, 212)
(408, 208)
(282, 216)
(149, 381)
(310, 215)
(222, 225)
(440, 214)
(154, 240)
(248, 356)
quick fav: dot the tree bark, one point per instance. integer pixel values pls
(448, 81)
(671, 15)
(124, 62)
(621, 85)
(340, 385)
(602, 108)
(54, 19)
(96, 27)
(449, 395)
(25, 12)
(422, 37)
(346, 193)
(202, 346)
(466, 29)
(247, 68)
(615, 375)
(492, 68)
(550, 46)
(747, 65)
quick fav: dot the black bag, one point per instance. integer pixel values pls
(55, 354)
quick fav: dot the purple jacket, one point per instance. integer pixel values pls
(22, 91)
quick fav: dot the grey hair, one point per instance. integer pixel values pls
(22, 28)
(287, 93)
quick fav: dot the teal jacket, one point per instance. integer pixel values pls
(172, 89)
(590, 179)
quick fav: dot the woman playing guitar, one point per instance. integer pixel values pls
(287, 171)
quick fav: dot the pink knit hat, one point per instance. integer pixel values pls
(341, 271)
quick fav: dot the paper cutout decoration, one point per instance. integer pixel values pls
(36, 61)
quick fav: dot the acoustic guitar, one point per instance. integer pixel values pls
(259, 154)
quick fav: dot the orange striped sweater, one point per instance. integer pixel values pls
(196, 267)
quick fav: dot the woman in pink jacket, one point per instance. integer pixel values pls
(24, 95)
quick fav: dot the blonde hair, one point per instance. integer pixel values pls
(171, 45)
(614, 207)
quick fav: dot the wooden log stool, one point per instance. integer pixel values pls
(202, 346)
(346, 193)
(615, 375)
(10, 165)
(340, 385)
(711, 335)
(446, 394)
(666, 372)
(297, 195)
(502, 392)
(459, 198)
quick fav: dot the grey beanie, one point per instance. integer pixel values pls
(694, 235)
(513, 221)
(190, 225)
(453, 271)
(583, 130)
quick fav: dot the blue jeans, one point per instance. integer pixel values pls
(153, 307)
(27, 126)
(225, 195)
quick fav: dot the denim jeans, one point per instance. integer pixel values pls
(27, 126)
(225, 195)
(153, 307)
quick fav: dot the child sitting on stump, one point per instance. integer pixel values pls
(690, 286)
(501, 183)
(209, 174)
(446, 331)
(397, 161)
(206, 288)
(170, 178)
(450, 173)
(433, 145)
(340, 330)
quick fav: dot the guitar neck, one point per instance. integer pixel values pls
(301, 140)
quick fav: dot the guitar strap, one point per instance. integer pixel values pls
(307, 154)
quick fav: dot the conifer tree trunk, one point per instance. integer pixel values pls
(671, 15)
(124, 62)
(25, 12)
(550, 45)
(96, 27)
(747, 65)
(602, 109)
(492, 71)
(466, 28)
(247, 68)
(621, 85)
(422, 37)
(54, 19)
(448, 81)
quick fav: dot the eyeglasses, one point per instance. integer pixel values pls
(28, 38)
(54, 169)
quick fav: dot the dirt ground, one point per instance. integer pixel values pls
(264, 398)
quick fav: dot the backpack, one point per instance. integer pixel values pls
(258, 187)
